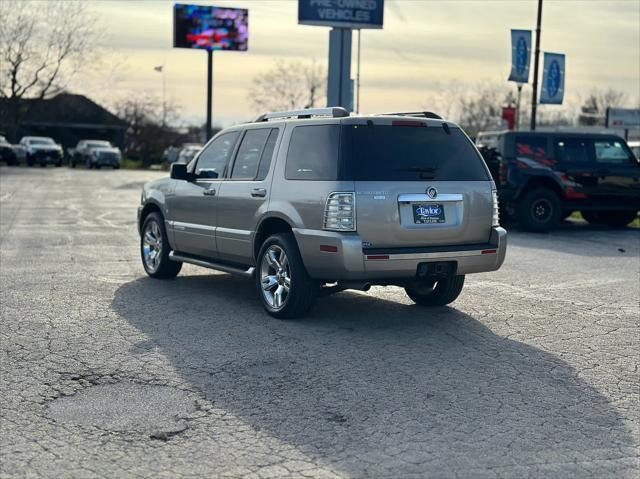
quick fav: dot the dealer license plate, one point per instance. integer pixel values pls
(428, 213)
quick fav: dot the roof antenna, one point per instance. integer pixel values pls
(446, 128)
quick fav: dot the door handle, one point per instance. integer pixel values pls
(209, 192)
(258, 192)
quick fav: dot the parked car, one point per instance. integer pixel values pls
(488, 139)
(542, 177)
(312, 202)
(95, 154)
(7, 152)
(42, 150)
(188, 151)
(635, 148)
(170, 154)
(20, 151)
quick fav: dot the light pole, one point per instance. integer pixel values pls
(160, 69)
(534, 96)
(518, 106)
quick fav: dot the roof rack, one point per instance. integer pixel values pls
(334, 112)
(425, 114)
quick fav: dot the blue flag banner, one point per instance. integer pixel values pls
(553, 79)
(520, 55)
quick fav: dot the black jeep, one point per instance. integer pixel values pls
(542, 177)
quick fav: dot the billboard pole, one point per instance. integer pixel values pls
(358, 76)
(338, 91)
(209, 92)
(534, 97)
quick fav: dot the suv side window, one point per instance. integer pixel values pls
(214, 158)
(267, 155)
(313, 153)
(246, 164)
(572, 150)
(612, 151)
(531, 147)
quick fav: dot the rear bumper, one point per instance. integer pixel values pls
(339, 256)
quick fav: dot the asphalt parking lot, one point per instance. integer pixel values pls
(106, 373)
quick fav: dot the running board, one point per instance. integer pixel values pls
(248, 273)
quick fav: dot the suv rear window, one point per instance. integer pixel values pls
(313, 153)
(409, 153)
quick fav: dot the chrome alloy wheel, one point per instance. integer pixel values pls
(275, 276)
(152, 246)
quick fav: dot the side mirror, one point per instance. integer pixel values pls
(179, 171)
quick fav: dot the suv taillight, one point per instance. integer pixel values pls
(340, 212)
(495, 221)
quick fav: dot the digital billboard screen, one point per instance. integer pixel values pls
(210, 28)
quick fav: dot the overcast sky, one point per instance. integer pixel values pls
(424, 44)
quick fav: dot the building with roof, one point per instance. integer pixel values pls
(67, 118)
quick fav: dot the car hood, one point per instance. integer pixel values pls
(45, 147)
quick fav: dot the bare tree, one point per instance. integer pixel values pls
(481, 109)
(149, 131)
(594, 108)
(478, 106)
(288, 86)
(42, 45)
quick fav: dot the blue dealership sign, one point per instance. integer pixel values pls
(553, 79)
(520, 55)
(341, 13)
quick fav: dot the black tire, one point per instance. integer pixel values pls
(72, 164)
(617, 219)
(59, 164)
(591, 217)
(539, 210)
(43, 165)
(164, 268)
(97, 166)
(444, 292)
(301, 291)
(116, 167)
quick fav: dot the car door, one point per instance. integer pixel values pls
(192, 205)
(617, 169)
(244, 195)
(575, 163)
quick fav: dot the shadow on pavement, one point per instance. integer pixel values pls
(374, 387)
(579, 238)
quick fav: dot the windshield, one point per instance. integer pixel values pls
(99, 144)
(410, 153)
(41, 141)
(612, 151)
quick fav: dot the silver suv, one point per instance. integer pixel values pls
(312, 202)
